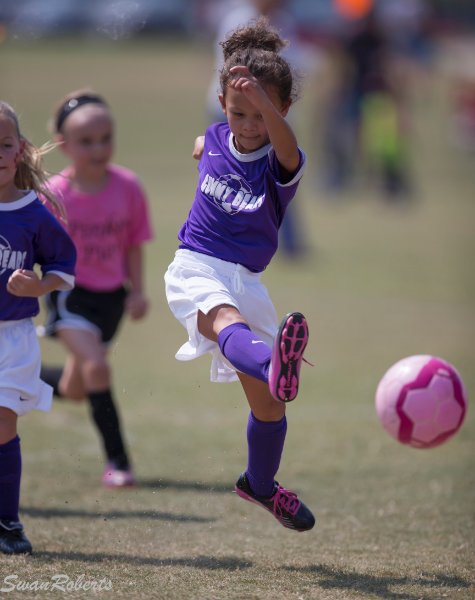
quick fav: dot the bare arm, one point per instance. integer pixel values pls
(198, 147)
(27, 284)
(136, 304)
(281, 135)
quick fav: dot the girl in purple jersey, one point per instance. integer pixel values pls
(249, 171)
(29, 235)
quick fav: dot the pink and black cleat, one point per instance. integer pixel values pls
(287, 355)
(283, 504)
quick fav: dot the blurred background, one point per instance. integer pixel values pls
(377, 254)
(381, 237)
(364, 65)
(386, 114)
(122, 18)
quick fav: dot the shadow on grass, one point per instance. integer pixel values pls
(211, 563)
(53, 513)
(179, 485)
(330, 578)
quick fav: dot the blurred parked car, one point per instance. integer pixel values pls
(111, 18)
(41, 18)
(318, 20)
(125, 18)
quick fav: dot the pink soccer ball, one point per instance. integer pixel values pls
(421, 401)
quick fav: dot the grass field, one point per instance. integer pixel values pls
(381, 282)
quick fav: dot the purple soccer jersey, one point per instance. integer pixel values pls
(29, 235)
(240, 202)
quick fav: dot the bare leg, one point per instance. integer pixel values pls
(261, 402)
(87, 368)
(88, 372)
(71, 384)
(8, 424)
(217, 319)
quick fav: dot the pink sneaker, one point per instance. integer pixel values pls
(287, 354)
(115, 478)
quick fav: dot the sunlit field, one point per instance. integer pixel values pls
(381, 280)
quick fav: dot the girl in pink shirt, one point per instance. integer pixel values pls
(108, 220)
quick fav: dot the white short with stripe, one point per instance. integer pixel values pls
(21, 388)
(195, 282)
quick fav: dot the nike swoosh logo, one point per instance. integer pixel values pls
(257, 342)
(214, 153)
(23, 399)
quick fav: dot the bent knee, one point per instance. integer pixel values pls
(269, 411)
(96, 369)
(8, 421)
(76, 394)
(217, 319)
(7, 415)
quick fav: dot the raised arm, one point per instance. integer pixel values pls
(280, 133)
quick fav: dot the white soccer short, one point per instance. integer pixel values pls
(21, 388)
(195, 281)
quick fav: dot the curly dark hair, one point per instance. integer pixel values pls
(257, 47)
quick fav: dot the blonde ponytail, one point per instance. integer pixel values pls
(30, 174)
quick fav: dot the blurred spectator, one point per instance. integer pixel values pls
(367, 111)
(405, 23)
(460, 65)
(292, 239)
(463, 118)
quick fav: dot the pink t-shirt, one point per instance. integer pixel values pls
(104, 226)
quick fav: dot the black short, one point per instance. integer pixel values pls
(79, 308)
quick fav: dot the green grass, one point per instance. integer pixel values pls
(380, 283)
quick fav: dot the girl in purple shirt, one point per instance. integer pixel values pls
(29, 235)
(249, 171)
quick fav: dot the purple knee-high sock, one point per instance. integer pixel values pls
(265, 441)
(10, 476)
(245, 350)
